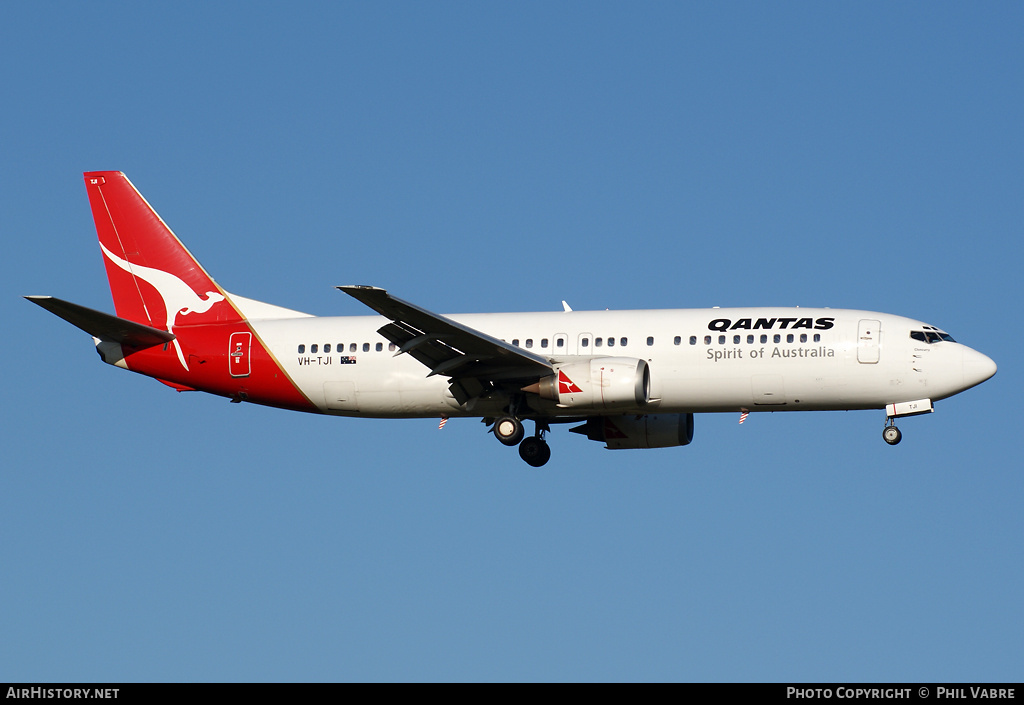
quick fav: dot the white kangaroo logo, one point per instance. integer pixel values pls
(179, 299)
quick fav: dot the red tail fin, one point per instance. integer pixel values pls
(154, 280)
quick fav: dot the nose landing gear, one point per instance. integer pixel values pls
(891, 434)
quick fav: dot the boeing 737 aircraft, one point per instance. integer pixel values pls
(629, 379)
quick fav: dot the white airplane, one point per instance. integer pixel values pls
(630, 379)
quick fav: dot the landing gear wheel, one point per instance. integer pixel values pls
(891, 435)
(535, 451)
(508, 430)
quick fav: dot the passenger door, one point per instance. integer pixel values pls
(867, 341)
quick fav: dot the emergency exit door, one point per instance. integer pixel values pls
(238, 354)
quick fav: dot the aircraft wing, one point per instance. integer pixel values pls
(449, 348)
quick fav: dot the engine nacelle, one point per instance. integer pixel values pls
(644, 431)
(598, 383)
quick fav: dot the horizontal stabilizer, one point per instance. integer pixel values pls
(103, 325)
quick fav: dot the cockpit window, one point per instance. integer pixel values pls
(931, 336)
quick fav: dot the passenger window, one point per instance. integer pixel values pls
(353, 347)
(543, 342)
(302, 349)
(313, 348)
(735, 340)
(584, 342)
(764, 338)
(380, 347)
(817, 337)
(515, 341)
(327, 347)
(392, 347)
(622, 342)
(803, 337)
(366, 347)
(789, 338)
(721, 340)
(559, 342)
(598, 342)
(750, 340)
(693, 340)
(707, 340)
(611, 342)
(529, 342)
(777, 338)
(677, 340)
(650, 341)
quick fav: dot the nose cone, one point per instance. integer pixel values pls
(977, 367)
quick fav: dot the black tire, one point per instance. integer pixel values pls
(535, 451)
(891, 435)
(508, 430)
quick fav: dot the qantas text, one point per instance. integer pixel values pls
(723, 324)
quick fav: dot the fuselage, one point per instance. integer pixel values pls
(700, 360)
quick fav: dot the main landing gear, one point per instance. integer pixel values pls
(509, 430)
(891, 434)
(533, 449)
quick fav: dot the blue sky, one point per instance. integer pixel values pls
(502, 157)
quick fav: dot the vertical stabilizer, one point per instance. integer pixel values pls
(153, 279)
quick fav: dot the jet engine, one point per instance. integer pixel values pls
(639, 431)
(598, 383)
